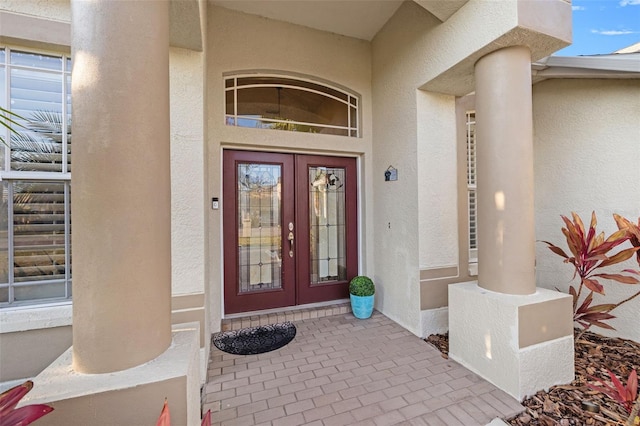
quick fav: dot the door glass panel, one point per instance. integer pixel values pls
(259, 232)
(327, 225)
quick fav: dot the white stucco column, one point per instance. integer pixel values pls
(121, 184)
(502, 327)
(504, 147)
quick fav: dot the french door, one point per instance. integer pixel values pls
(290, 229)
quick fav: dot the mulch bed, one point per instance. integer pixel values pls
(561, 404)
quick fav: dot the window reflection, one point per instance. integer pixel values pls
(287, 104)
(327, 216)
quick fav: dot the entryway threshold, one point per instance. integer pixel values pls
(280, 315)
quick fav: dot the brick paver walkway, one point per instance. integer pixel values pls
(343, 371)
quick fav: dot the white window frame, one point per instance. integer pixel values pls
(352, 101)
(471, 173)
(12, 176)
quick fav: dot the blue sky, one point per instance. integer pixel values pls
(603, 26)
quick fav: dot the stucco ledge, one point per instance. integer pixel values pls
(124, 396)
(519, 353)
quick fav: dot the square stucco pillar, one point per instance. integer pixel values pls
(128, 397)
(513, 334)
(521, 344)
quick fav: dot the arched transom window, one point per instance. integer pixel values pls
(272, 102)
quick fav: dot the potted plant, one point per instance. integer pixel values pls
(361, 291)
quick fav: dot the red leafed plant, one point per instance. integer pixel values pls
(12, 416)
(165, 417)
(632, 229)
(590, 252)
(625, 395)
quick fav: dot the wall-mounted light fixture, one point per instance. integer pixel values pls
(391, 174)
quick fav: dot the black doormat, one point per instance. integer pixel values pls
(255, 340)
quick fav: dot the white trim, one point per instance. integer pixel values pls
(289, 86)
(34, 317)
(39, 176)
(10, 246)
(67, 239)
(559, 72)
(361, 215)
(434, 321)
(471, 177)
(597, 66)
(64, 176)
(618, 62)
(291, 75)
(4, 386)
(473, 269)
(274, 120)
(286, 309)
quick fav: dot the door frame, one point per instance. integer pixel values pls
(229, 216)
(337, 290)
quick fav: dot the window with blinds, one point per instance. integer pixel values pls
(35, 166)
(471, 185)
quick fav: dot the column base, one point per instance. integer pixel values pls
(434, 321)
(521, 344)
(132, 396)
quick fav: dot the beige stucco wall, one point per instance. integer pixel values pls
(57, 10)
(402, 207)
(25, 353)
(415, 131)
(188, 195)
(244, 42)
(187, 171)
(586, 158)
(437, 180)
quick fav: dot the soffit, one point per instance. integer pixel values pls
(442, 9)
(358, 18)
(634, 48)
(185, 28)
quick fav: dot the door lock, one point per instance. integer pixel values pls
(290, 238)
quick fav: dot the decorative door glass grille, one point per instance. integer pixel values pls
(259, 231)
(327, 225)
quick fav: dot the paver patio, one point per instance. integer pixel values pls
(340, 370)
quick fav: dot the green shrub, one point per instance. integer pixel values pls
(361, 286)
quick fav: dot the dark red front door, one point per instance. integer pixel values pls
(290, 229)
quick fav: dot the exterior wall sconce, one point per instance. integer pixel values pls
(391, 174)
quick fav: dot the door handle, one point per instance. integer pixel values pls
(290, 238)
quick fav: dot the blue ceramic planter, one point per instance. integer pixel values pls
(362, 306)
